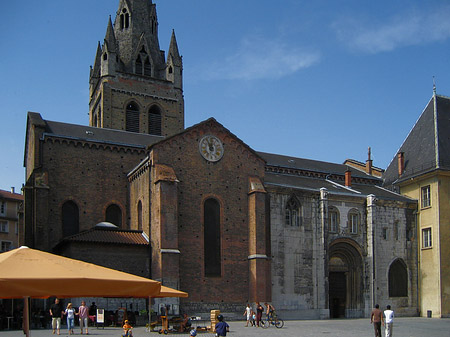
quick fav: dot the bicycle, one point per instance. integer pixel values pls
(272, 319)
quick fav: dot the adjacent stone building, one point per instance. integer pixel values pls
(223, 222)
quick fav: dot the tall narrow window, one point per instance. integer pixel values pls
(212, 253)
(132, 117)
(293, 213)
(154, 121)
(353, 219)
(4, 228)
(426, 196)
(147, 67)
(124, 19)
(398, 279)
(2, 207)
(70, 218)
(333, 219)
(114, 215)
(138, 65)
(139, 211)
(426, 238)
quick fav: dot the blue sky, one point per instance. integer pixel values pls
(313, 79)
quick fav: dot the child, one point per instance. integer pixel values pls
(253, 320)
(222, 327)
(127, 329)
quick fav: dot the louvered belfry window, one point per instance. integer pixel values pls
(154, 121)
(132, 118)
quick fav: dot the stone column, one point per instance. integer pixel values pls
(164, 232)
(371, 254)
(260, 287)
(321, 256)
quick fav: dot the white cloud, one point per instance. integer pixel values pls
(407, 29)
(260, 58)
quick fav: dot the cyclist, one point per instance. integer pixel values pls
(270, 309)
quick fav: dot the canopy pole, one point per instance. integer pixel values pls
(26, 316)
(149, 313)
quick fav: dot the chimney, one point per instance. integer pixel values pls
(13, 189)
(401, 163)
(348, 178)
(368, 163)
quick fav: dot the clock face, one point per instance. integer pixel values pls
(211, 148)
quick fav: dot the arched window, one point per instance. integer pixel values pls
(154, 121)
(124, 19)
(293, 213)
(354, 220)
(114, 215)
(70, 218)
(212, 253)
(398, 279)
(139, 211)
(132, 117)
(333, 219)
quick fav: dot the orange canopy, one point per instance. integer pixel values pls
(26, 272)
(169, 292)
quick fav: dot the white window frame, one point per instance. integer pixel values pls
(5, 242)
(4, 226)
(425, 196)
(427, 239)
(353, 219)
(334, 221)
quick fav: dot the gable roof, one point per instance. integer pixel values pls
(427, 146)
(92, 134)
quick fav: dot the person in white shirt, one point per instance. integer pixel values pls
(388, 321)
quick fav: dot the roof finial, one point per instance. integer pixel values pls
(434, 86)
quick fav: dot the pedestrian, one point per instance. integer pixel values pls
(83, 312)
(70, 312)
(388, 321)
(376, 317)
(127, 329)
(259, 312)
(222, 327)
(56, 312)
(248, 313)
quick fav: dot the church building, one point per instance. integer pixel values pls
(198, 209)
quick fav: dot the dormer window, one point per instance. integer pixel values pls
(124, 19)
(105, 56)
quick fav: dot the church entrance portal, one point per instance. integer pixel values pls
(345, 280)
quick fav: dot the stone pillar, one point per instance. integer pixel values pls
(321, 256)
(371, 254)
(164, 232)
(260, 287)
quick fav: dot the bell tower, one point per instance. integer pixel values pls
(132, 86)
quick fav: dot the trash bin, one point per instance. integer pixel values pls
(429, 313)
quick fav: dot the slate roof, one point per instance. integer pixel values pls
(324, 180)
(313, 165)
(427, 146)
(94, 134)
(110, 236)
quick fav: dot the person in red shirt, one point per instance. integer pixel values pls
(376, 317)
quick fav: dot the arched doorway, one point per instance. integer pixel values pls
(345, 279)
